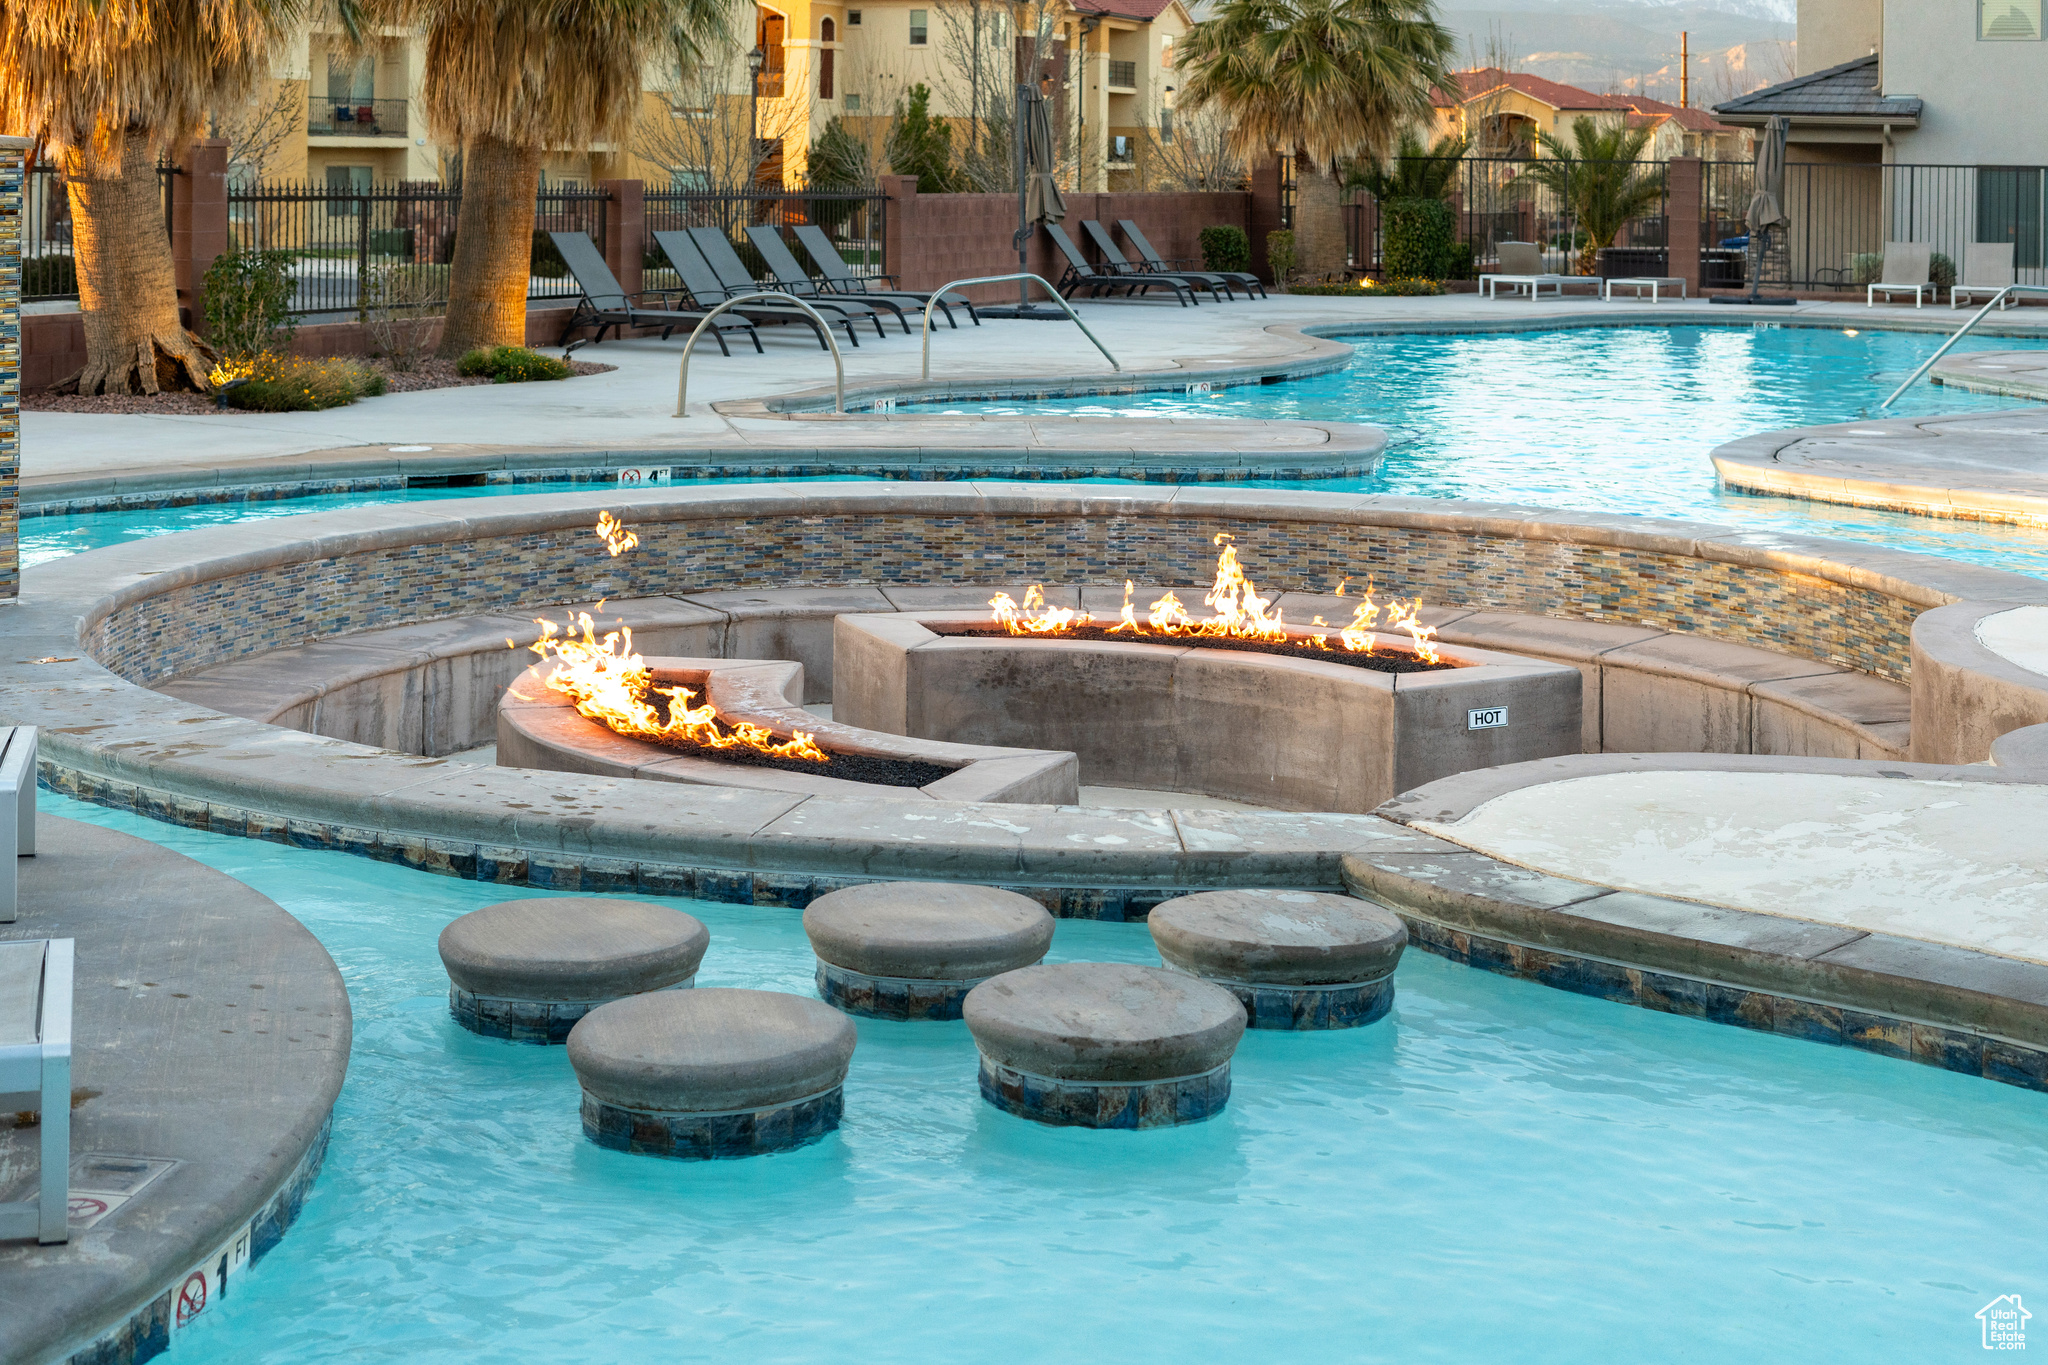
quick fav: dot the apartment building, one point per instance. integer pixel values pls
(1503, 113)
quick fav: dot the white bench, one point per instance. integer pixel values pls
(35, 1073)
(1639, 283)
(17, 810)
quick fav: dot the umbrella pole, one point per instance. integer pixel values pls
(1019, 130)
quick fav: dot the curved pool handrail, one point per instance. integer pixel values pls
(1997, 300)
(941, 292)
(775, 296)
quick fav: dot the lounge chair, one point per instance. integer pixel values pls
(701, 282)
(732, 272)
(1521, 267)
(1116, 263)
(605, 304)
(35, 1075)
(1080, 272)
(1243, 279)
(1907, 267)
(1987, 268)
(785, 270)
(837, 274)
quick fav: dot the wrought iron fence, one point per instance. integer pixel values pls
(48, 273)
(855, 219)
(1842, 216)
(338, 235)
(1584, 217)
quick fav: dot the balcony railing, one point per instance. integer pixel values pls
(1123, 76)
(359, 118)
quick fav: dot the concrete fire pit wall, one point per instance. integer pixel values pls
(1282, 732)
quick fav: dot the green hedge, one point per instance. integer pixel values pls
(1417, 236)
(1225, 248)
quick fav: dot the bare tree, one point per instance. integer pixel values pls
(709, 140)
(258, 129)
(1188, 152)
(1483, 119)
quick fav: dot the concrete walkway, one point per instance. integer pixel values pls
(211, 1031)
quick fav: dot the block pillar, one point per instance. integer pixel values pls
(13, 192)
(199, 223)
(625, 232)
(899, 231)
(1683, 186)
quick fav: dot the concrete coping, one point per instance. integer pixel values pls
(572, 950)
(1280, 938)
(935, 931)
(710, 1051)
(1104, 1023)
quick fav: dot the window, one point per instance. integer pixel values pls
(2009, 210)
(1122, 150)
(826, 31)
(688, 178)
(769, 30)
(853, 104)
(343, 181)
(2008, 21)
(825, 56)
(853, 18)
(1166, 53)
(998, 31)
(918, 28)
(351, 80)
(1166, 127)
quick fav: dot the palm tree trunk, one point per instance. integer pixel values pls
(127, 291)
(487, 282)
(1318, 221)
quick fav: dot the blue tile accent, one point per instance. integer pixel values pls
(881, 997)
(713, 1136)
(1078, 1104)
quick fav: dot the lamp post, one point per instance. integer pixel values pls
(756, 60)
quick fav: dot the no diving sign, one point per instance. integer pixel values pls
(1486, 718)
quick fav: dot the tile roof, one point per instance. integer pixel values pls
(1123, 9)
(1848, 91)
(1486, 80)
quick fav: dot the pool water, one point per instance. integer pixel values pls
(1496, 1172)
(1610, 420)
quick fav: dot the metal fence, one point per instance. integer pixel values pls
(1562, 207)
(47, 270)
(855, 219)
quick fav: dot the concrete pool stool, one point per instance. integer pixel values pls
(912, 950)
(1296, 959)
(1104, 1045)
(530, 969)
(711, 1073)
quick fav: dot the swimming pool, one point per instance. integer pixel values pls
(1498, 1171)
(1610, 419)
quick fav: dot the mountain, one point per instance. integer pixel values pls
(1632, 46)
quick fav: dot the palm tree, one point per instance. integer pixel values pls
(1415, 172)
(1598, 180)
(508, 79)
(107, 86)
(1328, 80)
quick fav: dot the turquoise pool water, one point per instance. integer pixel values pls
(1611, 420)
(1498, 1172)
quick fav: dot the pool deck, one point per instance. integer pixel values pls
(211, 1031)
(759, 416)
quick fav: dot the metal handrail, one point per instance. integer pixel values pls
(1946, 346)
(939, 293)
(838, 364)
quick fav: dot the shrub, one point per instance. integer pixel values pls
(545, 260)
(1225, 248)
(1370, 289)
(1464, 262)
(399, 305)
(47, 276)
(1941, 270)
(921, 145)
(289, 383)
(1280, 254)
(248, 303)
(1418, 234)
(511, 365)
(1867, 266)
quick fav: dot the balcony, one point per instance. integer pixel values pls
(362, 118)
(1123, 78)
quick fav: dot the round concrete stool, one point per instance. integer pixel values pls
(912, 950)
(1104, 1045)
(1296, 959)
(530, 969)
(711, 1073)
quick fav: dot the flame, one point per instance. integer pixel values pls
(614, 534)
(1241, 613)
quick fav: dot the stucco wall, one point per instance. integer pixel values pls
(1835, 31)
(1983, 98)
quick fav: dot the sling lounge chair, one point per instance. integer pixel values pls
(839, 277)
(1080, 272)
(1521, 267)
(786, 272)
(1114, 260)
(605, 304)
(732, 272)
(1907, 270)
(1243, 279)
(704, 289)
(1987, 268)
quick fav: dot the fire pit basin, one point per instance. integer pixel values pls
(1277, 730)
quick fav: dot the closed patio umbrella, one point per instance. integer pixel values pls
(1038, 195)
(1766, 202)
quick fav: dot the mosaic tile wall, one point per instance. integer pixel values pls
(13, 171)
(210, 623)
